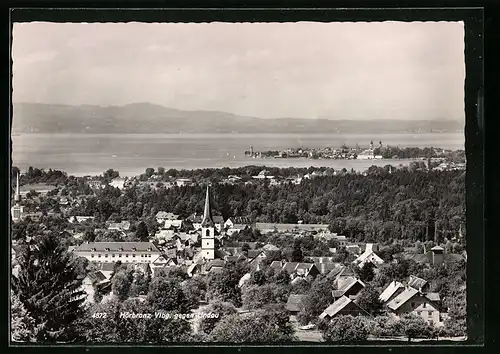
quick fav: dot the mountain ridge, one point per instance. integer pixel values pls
(148, 118)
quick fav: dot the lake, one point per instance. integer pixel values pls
(131, 154)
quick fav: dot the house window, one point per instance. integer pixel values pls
(429, 313)
(113, 255)
(133, 255)
(99, 255)
(106, 255)
(126, 255)
(431, 322)
(120, 255)
(207, 233)
(424, 304)
(92, 255)
(412, 305)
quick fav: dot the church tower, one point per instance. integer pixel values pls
(207, 231)
(17, 210)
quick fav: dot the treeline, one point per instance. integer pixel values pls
(389, 152)
(381, 206)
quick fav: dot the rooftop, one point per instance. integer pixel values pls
(117, 247)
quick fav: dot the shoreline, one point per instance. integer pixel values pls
(363, 165)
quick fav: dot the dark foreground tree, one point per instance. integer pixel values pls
(220, 310)
(48, 286)
(23, 327)
(113, 322)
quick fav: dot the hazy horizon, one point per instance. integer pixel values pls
(336, 71)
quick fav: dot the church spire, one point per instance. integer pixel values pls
(207, 214)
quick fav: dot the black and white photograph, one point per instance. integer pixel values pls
(219, 182)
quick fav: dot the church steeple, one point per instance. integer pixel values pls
(207, 220)
(17, 196)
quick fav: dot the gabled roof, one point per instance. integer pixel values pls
(294, 302)
(96, 277)
(254, 253)
(289, 267)
(106, 267)
(270, 247)
(343, 272)
(304, 267)
(345, 284)
(433, 297)
(416, 282)
(337, 306)
(390, 290)
(117, 247)
(215, 263)
(325, 268)
(277, 265)
(402, 298)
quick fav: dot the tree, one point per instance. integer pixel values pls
(121, 283)
(195, 290)
(142, 233)
(258, 277)
(167, 295)
(140, 282)
(297, 255)
(150, 172)
(106, 323)
(23, 325)
(161, 171)
(224, 285)
(254, 296)
(317, 299)
(48, 286)
(415, 327)
(368, 300)
(250, 328)
(346, 329)
(366, 272)
(110, 174)
(220, 310)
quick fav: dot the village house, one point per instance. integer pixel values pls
(435, 256)
(93, 280)
(342, 307)
(238, 220)
(40, 188)
(264, 174)
(118, 182)
(296, 269)
(418, 284)
(181, 182)
(162, 217)
(413, 301)
(369, 255)
(111, 252)
(347, 286)
(391, 291)
(119, 226)
(77, 219)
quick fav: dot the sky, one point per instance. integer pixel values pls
(343, 70)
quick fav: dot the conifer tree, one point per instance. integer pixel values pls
(49, 287)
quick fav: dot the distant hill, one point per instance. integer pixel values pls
(146, 118)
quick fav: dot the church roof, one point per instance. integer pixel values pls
(208, 220)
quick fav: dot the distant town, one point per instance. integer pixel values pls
(370, 153)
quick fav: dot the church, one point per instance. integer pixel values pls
(17, 210)
(209, 241)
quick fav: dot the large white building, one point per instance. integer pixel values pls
(111, 252)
